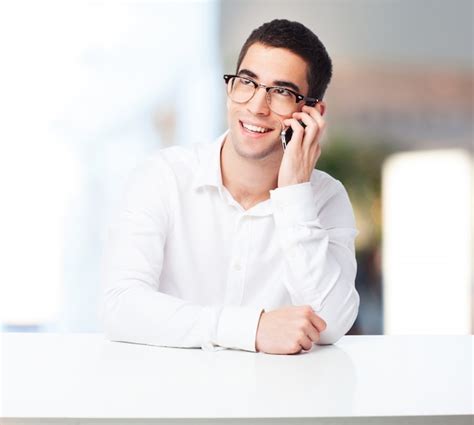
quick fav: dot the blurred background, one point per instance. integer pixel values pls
(89, 89)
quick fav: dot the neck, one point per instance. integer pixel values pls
(248, 180)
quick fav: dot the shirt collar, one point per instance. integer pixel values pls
(208, 171)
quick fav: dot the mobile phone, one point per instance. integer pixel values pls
(287, 134)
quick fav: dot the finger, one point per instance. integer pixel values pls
(294, 124)
(318, 322)
(321, 123)
(315, 115)
(311, 129)
(309, 121)
(298, 130)
(305, 343)
(312, 332)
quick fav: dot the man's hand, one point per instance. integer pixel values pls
(304, 150)
(288, 330)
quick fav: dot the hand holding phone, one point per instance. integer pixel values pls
(298, 162)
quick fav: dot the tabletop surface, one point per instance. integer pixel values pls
(85, 375)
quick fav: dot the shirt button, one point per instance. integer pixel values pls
(237, 267)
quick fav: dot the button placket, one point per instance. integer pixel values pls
(236, 272)
(246, 233)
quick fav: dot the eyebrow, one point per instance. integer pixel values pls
(279, 83)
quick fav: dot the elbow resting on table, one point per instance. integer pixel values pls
(340, 322)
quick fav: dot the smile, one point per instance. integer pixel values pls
(255, 129)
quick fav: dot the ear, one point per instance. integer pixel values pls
(321, 107)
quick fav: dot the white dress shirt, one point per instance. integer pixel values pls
(187, 266)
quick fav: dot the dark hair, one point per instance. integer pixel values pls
(301, 41)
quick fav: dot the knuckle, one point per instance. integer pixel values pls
(301, 335)
(306, 326)
(322, 322)
(299, 128)
(295, 348)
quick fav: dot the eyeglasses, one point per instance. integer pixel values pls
(280, 100)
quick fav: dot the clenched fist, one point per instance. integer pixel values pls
(288, 330)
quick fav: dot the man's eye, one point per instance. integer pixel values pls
(245, 82)
(282, 92)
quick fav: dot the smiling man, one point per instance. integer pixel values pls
(241, 243)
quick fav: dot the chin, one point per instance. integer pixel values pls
(255, 150)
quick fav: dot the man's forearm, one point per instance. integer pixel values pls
(134, 312)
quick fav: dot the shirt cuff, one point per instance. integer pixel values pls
(294, 204)
(237, 327)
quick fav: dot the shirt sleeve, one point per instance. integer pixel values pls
(133, 309)
(316, 230)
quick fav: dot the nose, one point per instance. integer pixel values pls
(258, 104)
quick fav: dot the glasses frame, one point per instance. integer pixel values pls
(309, 101)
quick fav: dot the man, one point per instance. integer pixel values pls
(241, 243)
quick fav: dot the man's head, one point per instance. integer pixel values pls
(279, 53)
(301, 41)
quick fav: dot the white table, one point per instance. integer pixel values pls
(86, 379)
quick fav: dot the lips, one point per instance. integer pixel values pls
(254, 128)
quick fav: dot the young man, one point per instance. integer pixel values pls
(241, 243)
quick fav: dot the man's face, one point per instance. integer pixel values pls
(270, 66)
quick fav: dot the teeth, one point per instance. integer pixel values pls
(255, 128)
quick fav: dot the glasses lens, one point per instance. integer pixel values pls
(281, 101)
(240, 90)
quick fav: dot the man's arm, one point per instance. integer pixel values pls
(133, 308)
(316, 229)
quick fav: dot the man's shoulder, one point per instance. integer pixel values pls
(323, 181)
(179, 159)
(179, 155)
